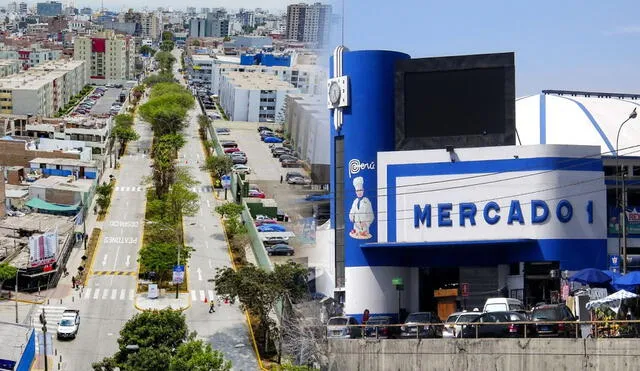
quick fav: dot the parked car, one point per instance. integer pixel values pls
(241, 169)
(502, 305)
(228, 143)
(272, 140)
(263, 128)
(412, 327)
(231, 150)
(291, 174)
(554, 312)
(291, 163)
(223, 131)
(239, 159)
(271, 228)
(495, 325)
(256, 194)
(280, 249)
(270, 241)
(376, 328)
(299, 180)
(344, 327)
(452, 329)
(286, 156)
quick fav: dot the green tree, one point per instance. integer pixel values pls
(203, 124)
(230, 210)
(165, 59)
(148, 359)
(195, 355)
(181, 202)
(147, 50)
(124, 134)
(167, 36)
(167, 46)
(159, 78)
(124, 120)
(219, 165)
(103, 196)
(195, 42)
(175, 141)
(7, 272)
(160, 257)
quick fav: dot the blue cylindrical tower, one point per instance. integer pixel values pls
(368, 127)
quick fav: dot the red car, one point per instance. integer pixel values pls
(231, 150)
(256, 193)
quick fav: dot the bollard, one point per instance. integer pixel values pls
(47, 301)
(73, 299)
(60, 301)
(60, 357)
(55, 352)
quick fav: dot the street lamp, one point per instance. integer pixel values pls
(632, 115)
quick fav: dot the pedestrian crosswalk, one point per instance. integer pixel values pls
(94, 293)
(202, 189)
(200, 295)
(53, 315)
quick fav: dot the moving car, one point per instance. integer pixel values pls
(376, 328)
(280, 249)
(241, 169)
(413, 327)
(496, 325)
(344, 327)
(69, 323)
(452, 329)
(554, 312)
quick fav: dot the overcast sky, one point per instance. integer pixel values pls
(272, 5)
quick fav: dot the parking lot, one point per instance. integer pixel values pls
(103, 105)
(266, 172)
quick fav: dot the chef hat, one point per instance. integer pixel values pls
(357, 183)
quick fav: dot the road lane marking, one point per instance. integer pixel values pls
(131, 293)
(124, 224)
(87, 293)
(105, 293)
(123, 292)
(115, 261)
(114, 294)
(208, 204)
(104, 260)
(211, 297)
(128, 260)
(121, 240)
(193, 295)
(202, 295)
(96, 294)
(206, 244)
(210, 266)
(199, 274)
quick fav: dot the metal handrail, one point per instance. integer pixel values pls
(595, 333)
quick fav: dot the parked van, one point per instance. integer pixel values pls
(502, 305)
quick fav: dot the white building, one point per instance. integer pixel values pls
(110, 57)
(31, 57)
(10, 67)
(308, 79)
(43, 89)
(253, 97)
(202, 66)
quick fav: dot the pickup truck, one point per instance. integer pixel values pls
(69, 323)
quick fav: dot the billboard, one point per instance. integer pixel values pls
(43, 249)
(491, 193)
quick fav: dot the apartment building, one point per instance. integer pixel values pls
(110, 58)
(309, 23)
(202, 66)
(49, 9)
(308, 79)
(150, 26)
(31, 57)
(255, 97)
(10, 67)
(42, 90)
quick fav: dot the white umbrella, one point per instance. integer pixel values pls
(612, 301)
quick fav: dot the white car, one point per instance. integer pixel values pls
(69, 323)
(451, 327)
(241, 169)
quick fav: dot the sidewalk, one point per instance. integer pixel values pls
(168, 300)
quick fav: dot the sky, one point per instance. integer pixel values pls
(569, 44)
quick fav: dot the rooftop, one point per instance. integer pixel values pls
(64, 183)
(15, 336)
(256, 81)
(63, 162)
(34, 223)
(38, 76)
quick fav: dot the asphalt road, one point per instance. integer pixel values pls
(226, 329)
(103, 105)
(107, 300)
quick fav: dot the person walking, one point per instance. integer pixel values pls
(212, 307)
(73, 282)
(281, 178)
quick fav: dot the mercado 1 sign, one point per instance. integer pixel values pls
(491, 193)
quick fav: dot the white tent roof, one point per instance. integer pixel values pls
(613, 300)
(579, 119)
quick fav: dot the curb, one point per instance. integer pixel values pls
(93, 257)
(25, 301)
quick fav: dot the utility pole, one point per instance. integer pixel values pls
(178, 264)
(16, 294)
(44, 337)
(624, 224)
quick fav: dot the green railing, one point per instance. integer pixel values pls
(260, 253)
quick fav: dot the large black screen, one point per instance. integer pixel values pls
(444, 103)
(464, 101)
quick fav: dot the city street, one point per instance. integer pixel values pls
(227, 328)
(106, 302)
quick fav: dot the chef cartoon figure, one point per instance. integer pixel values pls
(361, 213)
